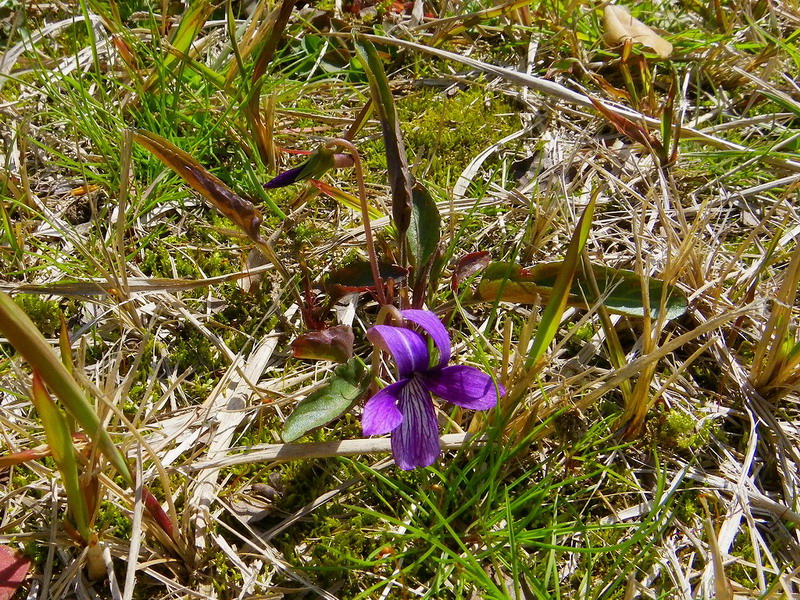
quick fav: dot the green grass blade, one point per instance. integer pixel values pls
(551, 317)
(343, 198)
(7, 233)
(59, 439)
(210, 75)
(30, 343)
(192, 22)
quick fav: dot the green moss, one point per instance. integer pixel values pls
(225, 575)
(743, 549)
(680, 430)
(22, 477)
(446, 133)
(687, 508)
(45, 314)
(112, 521)
(579, 335)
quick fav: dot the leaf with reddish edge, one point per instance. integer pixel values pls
(620, 290)
(13, 570)
(357, 277)
(334, 343)
(400, 178)
(467, 266)
(154, 510)
(41, 451)
(23, 456)
(242, 212)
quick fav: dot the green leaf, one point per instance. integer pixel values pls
(551, 316)
(30, 343)
(424, 228)
(59, 439)
(620, 290)
(400, 178)
(347, 384)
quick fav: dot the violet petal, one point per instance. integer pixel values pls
(408, 348)
(286, 178)
(381, 414)
(463, 386)
(415, 443)
(431, 324)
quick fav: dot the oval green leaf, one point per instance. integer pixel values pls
(620, 290)
(349, 381)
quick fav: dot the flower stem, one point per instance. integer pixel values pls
(362, 195)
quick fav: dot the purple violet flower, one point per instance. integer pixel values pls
(405, 408)
(316, 165)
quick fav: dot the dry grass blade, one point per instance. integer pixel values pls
(722, 586)
(776, 356)
(134, 284)
(287, 452)
(194, 376)
(555, 90)
(452, 26)
(30, 343)
(276, 23)
(227, 405)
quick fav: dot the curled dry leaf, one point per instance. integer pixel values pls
(467, 266)
(334, 343)
(212, 188)
(620, 26)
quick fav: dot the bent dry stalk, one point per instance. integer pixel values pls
(362, 195)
